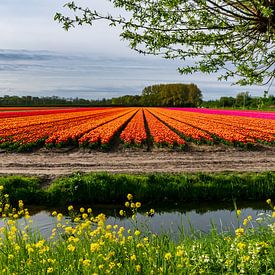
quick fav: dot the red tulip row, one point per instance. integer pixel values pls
(29, 112)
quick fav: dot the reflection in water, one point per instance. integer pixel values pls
(174, 221)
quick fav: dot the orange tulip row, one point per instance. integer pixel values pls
(106, 132)
(187, 130)
(35, 128)
(100, 126)
(135, 131)
(160, 132)
(229, 128)
(74, 132)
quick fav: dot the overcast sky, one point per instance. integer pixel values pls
(29, 25)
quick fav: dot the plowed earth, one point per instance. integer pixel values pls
(54, 163)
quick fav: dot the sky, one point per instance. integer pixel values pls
(39, 58)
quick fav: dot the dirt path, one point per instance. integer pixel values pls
(53, 164)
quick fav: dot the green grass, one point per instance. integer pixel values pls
(153, 188)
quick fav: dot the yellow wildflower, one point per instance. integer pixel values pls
(89, 210)
(138, 268)
(59, 217)
(167, 256)
(94, 247)
(70, 208)
(122, 213)
(84, 216)
(87, 262)
(241, 245)
(133, 258)
(129, 197)
(49, 270)
(239, 231)
(245, 258)
(71, 248)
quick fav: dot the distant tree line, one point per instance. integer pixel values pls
(165, 95)
(242, 101)
(168, 95)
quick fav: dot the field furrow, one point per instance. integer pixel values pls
(105, 133)
(160, 132)
(135, 132)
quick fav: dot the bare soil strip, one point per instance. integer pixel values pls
(200, 159)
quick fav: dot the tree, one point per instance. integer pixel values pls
(172, 95)
(235, 37)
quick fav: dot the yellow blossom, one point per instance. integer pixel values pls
(239, 231)
(94, 247)
(71, 248)
(84, 216)
(122, 213)
(138, 204)
(59, 217)
(86, 262)
(133, 258)
(70, 208)
(137, 232)
(245, 258)
(129, 197)
(138, 268)
(49, 270)
(241, 245)
(82, 210)
(54, 213)
(127, 204)
(238, 212)
(268, 201)
(167, 256)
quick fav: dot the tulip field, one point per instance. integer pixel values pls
(108, 127)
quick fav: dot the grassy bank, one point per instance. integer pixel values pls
(155, 188)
